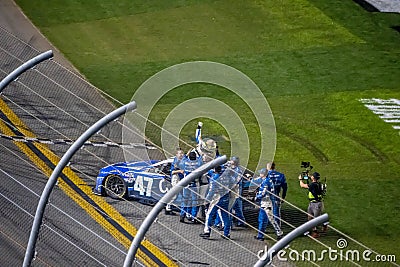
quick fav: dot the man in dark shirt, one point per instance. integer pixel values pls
(315, 195)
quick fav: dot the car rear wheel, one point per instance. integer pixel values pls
(115, 186)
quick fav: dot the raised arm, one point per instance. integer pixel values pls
(198, 133)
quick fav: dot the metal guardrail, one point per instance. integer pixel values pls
(24, 67)
(60, 166)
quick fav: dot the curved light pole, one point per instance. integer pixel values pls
(58, 169)
(266, 259)
(175, 190)
(24, 67)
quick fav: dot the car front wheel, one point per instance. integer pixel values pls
(115, 187)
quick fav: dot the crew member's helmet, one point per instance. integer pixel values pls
(235, 160)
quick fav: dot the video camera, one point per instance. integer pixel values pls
(305, 174)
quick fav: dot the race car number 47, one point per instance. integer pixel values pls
(143, 185)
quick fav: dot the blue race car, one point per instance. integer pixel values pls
(146, 181)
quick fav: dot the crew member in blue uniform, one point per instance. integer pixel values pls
(266, 195)
(218, 197)
(177, 174)
(207, 149)
(280, 186)
(190, 193)
(235, 202)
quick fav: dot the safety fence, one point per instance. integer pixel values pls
(50, 103)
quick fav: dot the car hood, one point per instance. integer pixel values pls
(133, 165)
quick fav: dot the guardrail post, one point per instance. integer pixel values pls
(24, 67)
(175, 190)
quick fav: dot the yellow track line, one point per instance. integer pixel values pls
(111, 211)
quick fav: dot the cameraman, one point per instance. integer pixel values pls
(315, 195)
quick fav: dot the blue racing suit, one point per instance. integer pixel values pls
(238, 204)
(177, 165)
(207, 155)
(190, 192)
(175, 178)
(266, 195)
(279, 181)
(218, 196)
